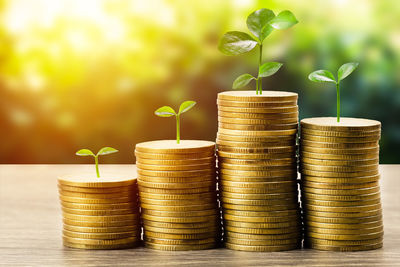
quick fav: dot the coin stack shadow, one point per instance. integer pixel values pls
(99, 213)
(257, 169)
(340, 184)
(178, 198)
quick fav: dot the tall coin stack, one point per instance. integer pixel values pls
(178, 198)
(340, 184)
(257, 167)
(99, 213)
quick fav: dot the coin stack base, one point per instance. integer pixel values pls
(257, 168)
(340, 184)
(178, 197)
(99, 213)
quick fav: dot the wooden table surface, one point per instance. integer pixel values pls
(30, 229)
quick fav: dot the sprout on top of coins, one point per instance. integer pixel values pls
(103, 151)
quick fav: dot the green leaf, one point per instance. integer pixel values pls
(84, 152)
(269, 68)
(165, 111)
(346, 69)
(283, 20)
(106, 150)
(242, 80)
(236, 43)
(257, 22)
(185, 106)
(322, 76)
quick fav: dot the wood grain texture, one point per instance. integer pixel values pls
(30, 229)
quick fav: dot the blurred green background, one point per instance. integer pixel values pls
(86, 74)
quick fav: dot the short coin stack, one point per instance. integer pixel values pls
(257, 167)
(340, 184)
(99, 213)
(178, 198)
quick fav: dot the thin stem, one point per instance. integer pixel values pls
(259, 65)
(96, 161)
(178, 136)
(257, 86)
(338, 102)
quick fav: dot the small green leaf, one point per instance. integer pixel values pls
(185, 106)
(269, 68)
(236, 43)
(346, 69)
(84, 152)
(283, 20)
(322, 76)
(257, 22)
(242, 80)
(165, 111)
(106, 150)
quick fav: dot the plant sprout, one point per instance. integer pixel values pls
(326, 76)
(260, 23)
(103, 151)
(167, 111)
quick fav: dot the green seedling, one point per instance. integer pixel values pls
(103, 151)
(167, 111)
(326, 76)
(260, 23)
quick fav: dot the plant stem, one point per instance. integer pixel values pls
(338, 102)
(96, 161)
(178, 136)
(258, 76)
(257, 86)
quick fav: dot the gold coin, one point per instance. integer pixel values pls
(102, 247)
(175, 167)
(183, 231)
(179, 219)
(329, 139)
(342, 151)
(98, 190)
(345, 124)
(342, 163)
(166, 162)
(108, 224)
(265, 208)
(241, 121)
(325, 168)
(255, 162)
(172, 197)
(106, 236)
(263, 196)
(128, 240)
(206, 183)
(360, 208)
(257, 133)
(205, 206)
(261, 225)
(273, 173)
(262, 116)
(305, 154)
(170, 203)
(177, 191)
(153, 179)
(257, 127)
(180, 236)
(341, 203)
(265, 214)
(344, 226)
(338, 186)
(351, 238)
(245, 179)
(99, 212)
(265, 237)
(257, 139)
(88, 180)
(263, 248)
(354, 180)
(304, 142)
(341, 133)
(260, 219)
(318, 196)
(122, 206)
(261, 202)
(180, 247)
(262, 242)
(273, 110)
(169, 156)
(329, 231)
(93, 218)
(242, 150)
(171, 147)
(195, 173)
(343, 214)
(252, 104)
(78, 200)
(262, 231)
(208, 224)
(270, 185)
(345, 248)
(341, 192)
(258, 190)
(168, 213)
(310, 240)
(251, 96)
(115, 229)
(339, 174)
(123, 194)
(255, 144)
(223, 154)
(181, 242)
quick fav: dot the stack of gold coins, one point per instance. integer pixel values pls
(178, 198)
(100, 213)
(340, 184)
(257, 167)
